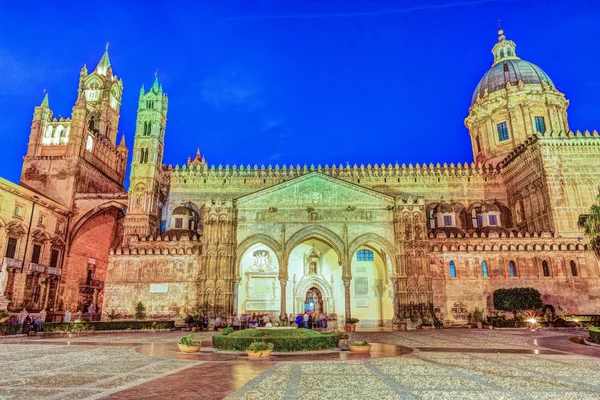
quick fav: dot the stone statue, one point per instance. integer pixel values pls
(312, 268)
(3, 281)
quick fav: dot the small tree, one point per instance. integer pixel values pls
(517, 299)
(140, 311)
(590, 223)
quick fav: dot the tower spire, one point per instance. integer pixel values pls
(45, 101)
(104, 63)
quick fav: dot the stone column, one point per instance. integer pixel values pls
(347, 280)
(282, 299)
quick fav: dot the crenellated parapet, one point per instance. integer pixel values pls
(161, 245)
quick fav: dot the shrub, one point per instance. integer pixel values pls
(478, 315)
(594, 334)
(352, 321)
(188, 340)
(227, 331)
(343, 335)
(112, 315)
(9, 329)
(517, 299)
(363, 343)
(79, 326)
(283, 340)
(140, 311)
(260, 346)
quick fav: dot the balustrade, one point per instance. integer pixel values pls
(11, 263)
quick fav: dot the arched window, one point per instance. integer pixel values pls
(452, 270)
(501, 53)
(364, 255)
(144, 156)
(484, 270)
(147, 128)
(545, 268)
(574, 268)
(512, 269)
(509, 52)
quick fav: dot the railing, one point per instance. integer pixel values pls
(92, 283)
(36, 267)
(12, 263)
(53, 271)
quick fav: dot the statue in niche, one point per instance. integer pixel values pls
(262, 261)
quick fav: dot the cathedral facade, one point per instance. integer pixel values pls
(369, 241)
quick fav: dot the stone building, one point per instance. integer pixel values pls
(368, 241)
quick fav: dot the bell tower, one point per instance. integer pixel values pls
(79, 154)
(145, 197)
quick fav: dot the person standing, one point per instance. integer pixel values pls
(305, 319)
(299, 320)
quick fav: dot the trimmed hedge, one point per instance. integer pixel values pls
(10, 329)
(594, 334)
(283, 340)
(106, 326)
(517, 299)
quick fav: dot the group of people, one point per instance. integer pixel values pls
(253, 320)
(311, 320)
(31, 325)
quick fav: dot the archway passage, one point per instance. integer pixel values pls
(314, 301)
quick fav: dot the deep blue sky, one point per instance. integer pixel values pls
(294, 81)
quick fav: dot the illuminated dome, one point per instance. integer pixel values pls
(508, 69)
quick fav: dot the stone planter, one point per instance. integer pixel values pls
(469, 326)
(488, 327)
(350, 328)
(403, 326)
(259, 354)
(188, 349)
(426, 327)
(479, 325)
(342, 341)
(360, 349)
(195, 329)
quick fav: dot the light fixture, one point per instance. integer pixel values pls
(532, 320)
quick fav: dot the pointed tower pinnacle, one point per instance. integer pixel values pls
(45, 101)
(104, 63)
(122, 144)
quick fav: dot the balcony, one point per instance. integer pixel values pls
(11, 263)
(53, 271)
(36, 267)
(91, 283)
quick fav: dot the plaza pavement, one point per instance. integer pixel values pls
(447, 364)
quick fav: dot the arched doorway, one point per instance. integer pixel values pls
(313, 301)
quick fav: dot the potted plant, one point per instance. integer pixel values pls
(351, 324)
(426, 325)
(259, 350)
(343, 338)
(360, 347)
(187, 344)
(487, 324)
(478, 317)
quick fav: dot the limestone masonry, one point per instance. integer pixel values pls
(371, 242)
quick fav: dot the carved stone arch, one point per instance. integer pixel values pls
(313, 280)
(366, 238)
(320, 233)
(91, 214)
(259, 238)
(93, 79)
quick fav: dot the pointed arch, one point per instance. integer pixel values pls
(91, 214)
(380, 241)
(319, 233)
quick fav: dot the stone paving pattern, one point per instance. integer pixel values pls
(440, 367)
